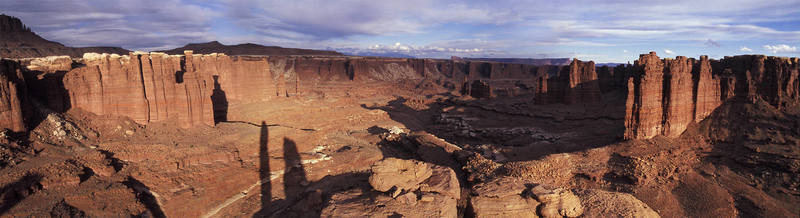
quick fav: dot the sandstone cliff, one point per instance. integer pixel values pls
(665, 96)
(13, 105)
(145, 87)
(644, 109)
(197, 89)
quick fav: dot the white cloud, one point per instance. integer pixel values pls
(139, 25)
(625, 51)
(745, 49)
(504, 27)
(782, 48)
(669, 52)
(416, 51)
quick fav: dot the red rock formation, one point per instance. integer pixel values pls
(773, 79)
(155, 87)
(244, 79)
(44, 76)
(666, 87)
(583, 85)
(707, 89)
(644, 111)
(678, 102)
(12, 96)
(145, 87)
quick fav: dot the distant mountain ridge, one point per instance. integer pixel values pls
(18, 41)
(529, 61)
(380, 54)
(246, 49)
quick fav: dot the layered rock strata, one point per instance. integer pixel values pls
(13, 97)
(145, 87)
(665, 96)
(154, 87)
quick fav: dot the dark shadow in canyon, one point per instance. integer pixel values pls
(278, 125)
(145, 196)
(303, 198)
(294, 177)
(219, 102)
(264, 170)
(179, 74)
(493, 120)
(13, 193)
(756, 141)
(43, 93)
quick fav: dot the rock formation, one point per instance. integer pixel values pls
(45, 80)
(599, 203)
(665, 96)
(12, 96)
(154, 87)
(583, 85)
(706, 89)
(643, 115)
(145, 87)
(678, 103)
(412, 188)
(511, 197)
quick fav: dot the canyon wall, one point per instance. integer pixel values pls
(154, 87)
(146, 87)
(296, 75)
(193, 89)
(665, 96)
(13, 97)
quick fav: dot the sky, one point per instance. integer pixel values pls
(602, 30)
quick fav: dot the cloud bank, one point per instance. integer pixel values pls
(437, 28)
(782, 48)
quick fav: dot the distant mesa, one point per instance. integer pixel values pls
(18, 41)
(528, 61)
(380, 54)
(246, 49)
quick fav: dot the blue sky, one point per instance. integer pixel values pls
(604, 30)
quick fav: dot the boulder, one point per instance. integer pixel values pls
(503, 197)
(400, 174)
(444, 181)
(599, 203)
(557, 202)
(418, 189)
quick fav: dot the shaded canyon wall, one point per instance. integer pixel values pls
(14, 107)
(666, 95)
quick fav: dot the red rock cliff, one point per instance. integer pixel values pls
(665, 96)
(12, 96)
(644, 109)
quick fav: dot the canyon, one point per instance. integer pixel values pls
(206, 133)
